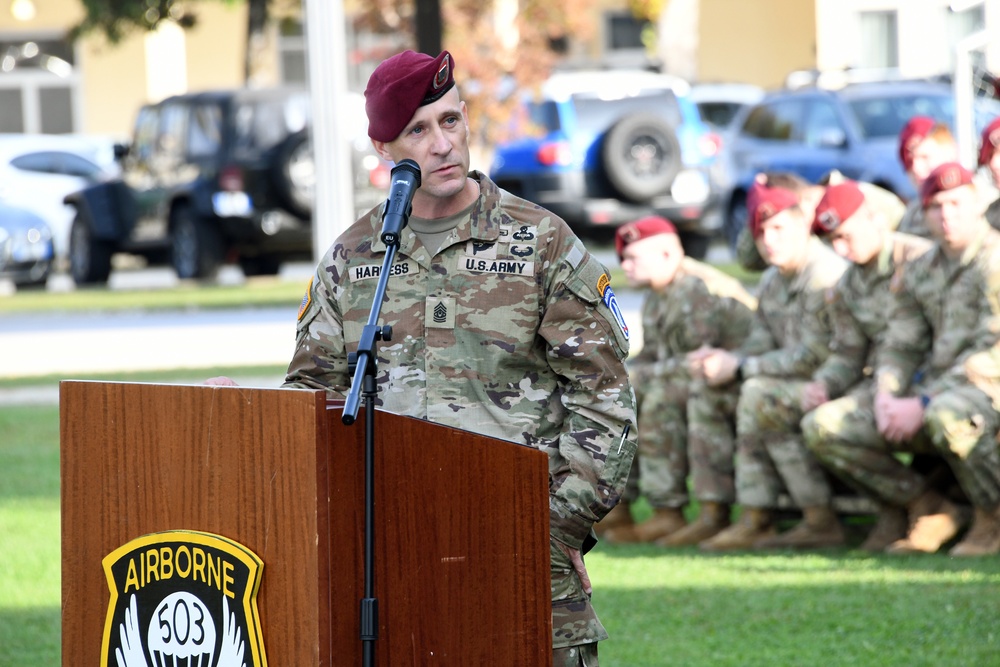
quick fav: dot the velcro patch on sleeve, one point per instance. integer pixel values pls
(611, 301)
(306, 300)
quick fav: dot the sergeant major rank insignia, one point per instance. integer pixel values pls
(183, 598)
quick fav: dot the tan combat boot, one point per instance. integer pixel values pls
(890, 526)
(819, 528)
(754, 524)
(665, 521)
(620, 516)
(933, 521)
(983, 539)
(712, 519)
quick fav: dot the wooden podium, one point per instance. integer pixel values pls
(461, 557)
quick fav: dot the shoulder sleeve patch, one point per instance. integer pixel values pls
(306, 300)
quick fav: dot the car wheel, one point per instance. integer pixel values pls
(196, 245)
(89, 258)
(264, 265)
(641, 156)
(294, 174)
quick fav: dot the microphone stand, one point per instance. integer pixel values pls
(363, 367)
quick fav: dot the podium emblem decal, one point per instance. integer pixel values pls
(183, 598)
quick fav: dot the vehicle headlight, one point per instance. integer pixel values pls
(690, 187)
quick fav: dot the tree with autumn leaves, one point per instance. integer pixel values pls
(492, 65)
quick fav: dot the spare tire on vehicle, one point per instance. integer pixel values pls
(294, 174)
(641, 156)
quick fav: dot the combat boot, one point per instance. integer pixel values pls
(712, 519)
(665, 521)
(754, 524)
(933, 521)
(819, 528)
(890, 526)
(983, 539)
(620, 515)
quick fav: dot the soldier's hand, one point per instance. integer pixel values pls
(813, 395)
(578, 566)
(901, 418)
(695, 361)
(719, 367)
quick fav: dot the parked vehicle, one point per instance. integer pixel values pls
(855, 129)
(719, 103)
(209, 177)
(603, 148)
(26, 250)
(37, 171)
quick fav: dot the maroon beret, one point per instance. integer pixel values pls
(839, 203)
(402, 84)
(764, 202)
(990, 142)
(912, 134)
(641, 229)
(948, 176)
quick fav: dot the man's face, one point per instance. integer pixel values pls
(859, 238)
(952, 216)
(437, 139)
(652, 262)
(928, 155)
(783, 238)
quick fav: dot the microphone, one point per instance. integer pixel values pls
(404, 181)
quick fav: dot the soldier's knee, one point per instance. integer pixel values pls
(955, 425)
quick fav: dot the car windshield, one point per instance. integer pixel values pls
(886, 116)
(595, 114)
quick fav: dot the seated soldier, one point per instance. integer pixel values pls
(860, 305)
(937, 376)
(789, 339)
(687, 304)
(989, 157)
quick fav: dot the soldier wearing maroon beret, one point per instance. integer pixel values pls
(937, 377)
(924, 143)
(839, 426)
(503, 323)
(687, 304)
(789, 340)
(989, 157)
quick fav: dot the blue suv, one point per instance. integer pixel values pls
(855, 129)
(606, 147)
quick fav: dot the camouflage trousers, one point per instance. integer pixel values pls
(685, 429)
(575, 626)
(663, 433)
(960, 426)
(771, 454)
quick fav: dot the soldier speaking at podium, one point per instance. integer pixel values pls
(502, 323)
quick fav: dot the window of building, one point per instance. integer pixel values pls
(879, 39)
(38, 85)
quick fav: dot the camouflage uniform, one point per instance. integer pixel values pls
(842, 430)
(913, 221)
(508, 330)
(701, 306)
(943, 342)
(788, 341)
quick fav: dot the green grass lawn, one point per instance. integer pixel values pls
(661, 608)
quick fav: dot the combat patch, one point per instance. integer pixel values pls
(182, 597)
(609, 299)
(306, 300)
(373, 271)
